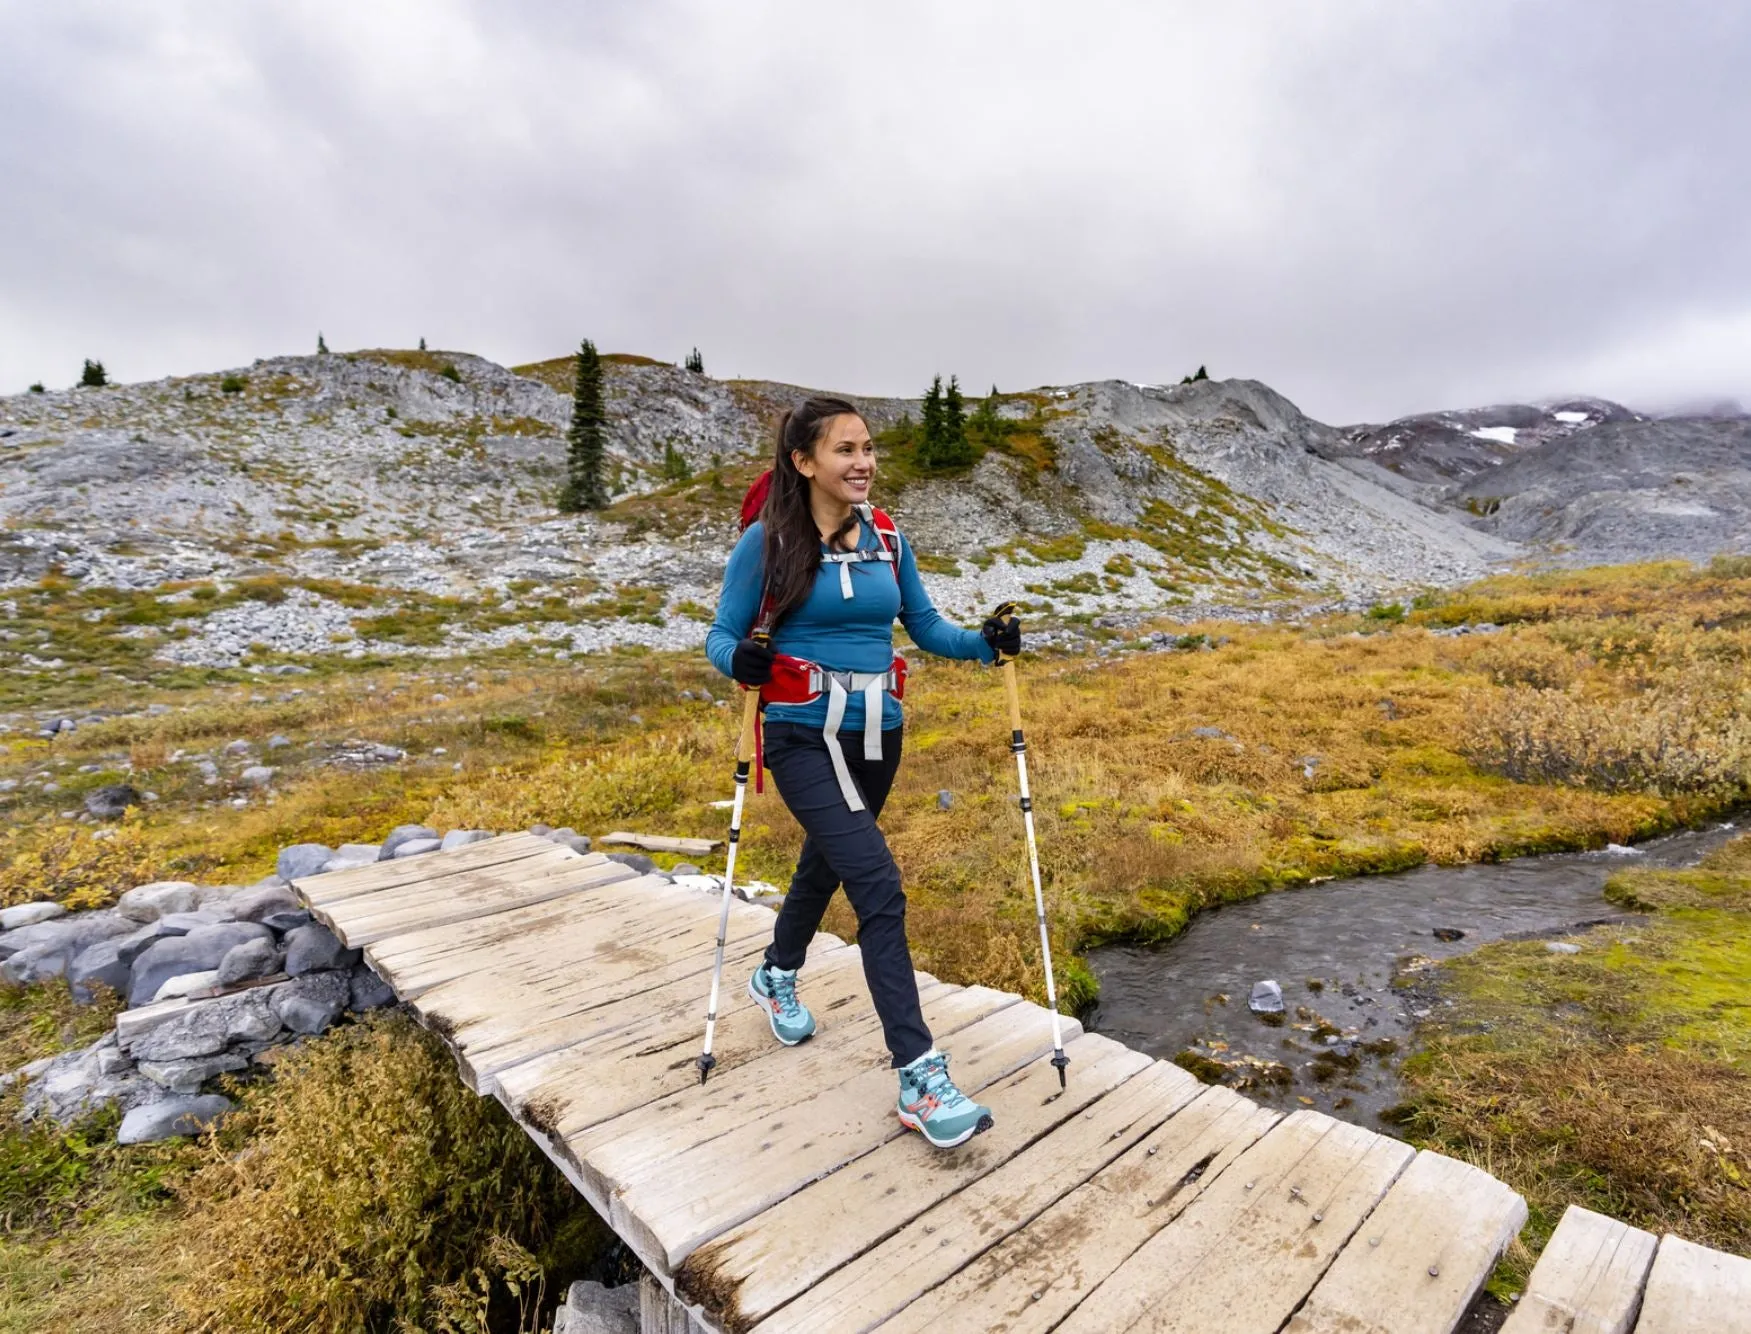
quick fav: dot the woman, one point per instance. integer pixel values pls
(826, 576)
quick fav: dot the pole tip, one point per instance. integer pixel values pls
(707, 1061)
(1062, 1062)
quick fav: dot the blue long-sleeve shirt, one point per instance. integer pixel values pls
(854, 634)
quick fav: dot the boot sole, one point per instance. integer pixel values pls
(772, 1020)
(913, 1123)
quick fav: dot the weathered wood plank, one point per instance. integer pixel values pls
(499, 1021)
(517, 932)
(647, 1053)
(336, 886)
(348, 913)
(660, 1133)
(593, 925)
(765, 1262)
(1589, 1279)
(702, 1192)
(1421, 1256)
(1022, 1245)
(483, 899)
(1691, 1289)
(1268, 1228)
(698, 847)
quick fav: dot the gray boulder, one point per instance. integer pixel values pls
(257, 775)
(181, 923)
(208, 1027)
(403, 833)
(186, 984)
(256, 905)
(108, 963)
(1267, 998)
(314, 948)
(684, 868)
(287, 919)
(636, 860)
(74, 1083)
(344, 861)
(253, 958)
(359, 852)
(312, 1003)
(187, 1076)
(170, 1117)
(302, 859)
(461, 838)
(199, 951)
(45, 951)
(368, 991)
(29, 914)
(111, 802)
(145, 903)
(414, 847)
(237, 747)
(591, 1308)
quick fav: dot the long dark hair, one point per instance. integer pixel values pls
(793, 543)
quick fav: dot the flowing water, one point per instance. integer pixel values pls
(1334, 949)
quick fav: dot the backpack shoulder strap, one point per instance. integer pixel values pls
(890, 536)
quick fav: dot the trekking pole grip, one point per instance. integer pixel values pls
(750, 720)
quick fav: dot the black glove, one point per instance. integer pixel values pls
(1004, 636)
(751, 664)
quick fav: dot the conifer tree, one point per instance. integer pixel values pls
(321, 344)
(583, 488)
(695, 362)
(93, 376)
(422, 345)
(955, 449)
(930, 447)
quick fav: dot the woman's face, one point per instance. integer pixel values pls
(843, 463)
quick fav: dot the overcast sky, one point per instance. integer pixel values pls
(1375, 206)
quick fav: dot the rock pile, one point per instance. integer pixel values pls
(214, 976)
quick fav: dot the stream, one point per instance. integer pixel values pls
(1334, 949)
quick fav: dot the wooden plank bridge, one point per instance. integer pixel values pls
(784, 1195)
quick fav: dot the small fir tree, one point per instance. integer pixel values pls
(930, 447)
(1202, 374)
(583, 485)
(695, 362)
(985, 425)
(422, 345)
(956, 450)
(675, 465)
(93, 376)
(321, 344)
(37, 388)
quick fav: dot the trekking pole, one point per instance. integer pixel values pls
(744, 757)
(1018, 744)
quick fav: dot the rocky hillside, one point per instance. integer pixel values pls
(384, 502)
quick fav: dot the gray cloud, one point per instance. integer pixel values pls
(1378, 206)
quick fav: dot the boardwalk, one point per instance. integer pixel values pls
(784, 1195)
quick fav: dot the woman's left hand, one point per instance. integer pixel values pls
(1003, 634)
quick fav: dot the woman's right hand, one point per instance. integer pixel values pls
(751, 664)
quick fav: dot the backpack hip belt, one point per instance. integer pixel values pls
(799, 681)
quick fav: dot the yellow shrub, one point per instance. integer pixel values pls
(372, 1178)
(74, 867)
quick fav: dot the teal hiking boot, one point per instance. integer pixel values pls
(774, 990)
(932, 1105)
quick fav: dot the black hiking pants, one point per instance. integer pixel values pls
(843, 847)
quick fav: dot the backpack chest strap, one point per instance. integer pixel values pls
(846, 559)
